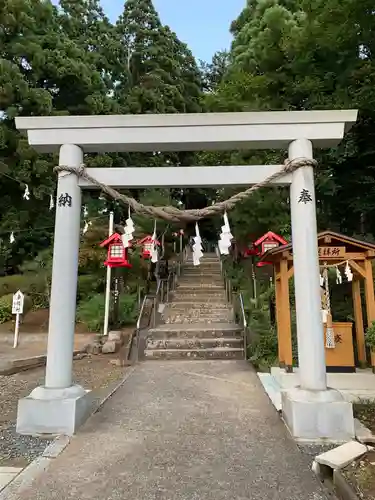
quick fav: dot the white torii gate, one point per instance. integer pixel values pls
(311, 411)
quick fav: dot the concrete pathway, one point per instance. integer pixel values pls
(184, 430)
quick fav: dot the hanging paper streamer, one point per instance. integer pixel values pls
(51, 202)
(127, 237)
(197, 247)
(26, 194)
(154, 248)
(321, 280)
(85, 211)
(86, 227)
(338, 276)
(12, 239)
(226, 237)
(348, 272)
(330, 334)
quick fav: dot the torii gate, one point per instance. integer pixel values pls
(311, 411)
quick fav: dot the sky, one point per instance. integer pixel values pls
(202, 24)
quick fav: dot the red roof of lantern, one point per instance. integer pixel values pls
(148, 239)
(270, 236)
(114, 238)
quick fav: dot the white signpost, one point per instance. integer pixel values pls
(17, 309)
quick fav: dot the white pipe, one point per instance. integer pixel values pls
(108, 285)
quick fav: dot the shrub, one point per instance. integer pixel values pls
(91, 311)
(370, 336)
(89, 285)
(34, 285)
(6, 307)
(27, 283)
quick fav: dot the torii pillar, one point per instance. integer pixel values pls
(311, 411)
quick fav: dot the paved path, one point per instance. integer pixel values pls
(185, 430)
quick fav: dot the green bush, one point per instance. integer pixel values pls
(6, 307)
(34, 285)
(89, 285)
(91, 311)
(27, 283)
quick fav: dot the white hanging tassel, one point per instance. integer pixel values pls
(12, 239)
(330, 337)
(321, 280)
(338, 276)
(197, 247)
(26, 194)
(127, 237)
(348, 272)
(154, 248)
(226, 237)
(330, 334)
(86, 227)
(51, 202)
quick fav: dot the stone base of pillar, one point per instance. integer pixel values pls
(318, 416)
(53, 411)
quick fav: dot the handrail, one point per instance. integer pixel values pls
(145, 298)
(229, 293)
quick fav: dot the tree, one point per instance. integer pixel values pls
(213, 73)
(42, 72)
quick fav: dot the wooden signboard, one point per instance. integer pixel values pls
(332, 252)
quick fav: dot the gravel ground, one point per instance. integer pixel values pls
(94, 372)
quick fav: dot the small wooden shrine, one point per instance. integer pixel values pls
(346, 255)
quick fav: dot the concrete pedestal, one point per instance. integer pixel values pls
(317, 416)
(53, 411)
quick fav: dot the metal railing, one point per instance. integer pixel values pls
(235, 298)
(162, 294)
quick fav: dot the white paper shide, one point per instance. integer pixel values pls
(226, 237)
(197, 247)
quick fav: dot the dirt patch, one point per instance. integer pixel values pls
(96, 373)
(365, 412)
(361, 476)
(361, 473)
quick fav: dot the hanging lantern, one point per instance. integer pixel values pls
(117, 255)
(148, 245)
(268, 242)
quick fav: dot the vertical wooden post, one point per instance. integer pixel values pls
(286, 330)
(369, 292)
(358, 317)
(279, 307)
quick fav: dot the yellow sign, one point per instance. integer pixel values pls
(332, 252)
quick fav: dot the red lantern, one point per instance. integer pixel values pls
(117, 254)
(148, 242)
(267, 242)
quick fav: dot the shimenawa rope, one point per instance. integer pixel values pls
(174, 214)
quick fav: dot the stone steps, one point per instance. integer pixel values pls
(198, 304)
(218, 330)
(209, 319)
(199, 297)
(206, 287)
(194, 343)
(198, 322)
(194, 354)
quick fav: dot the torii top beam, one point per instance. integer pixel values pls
(187, 132)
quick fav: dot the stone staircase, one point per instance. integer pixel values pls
(198, 323)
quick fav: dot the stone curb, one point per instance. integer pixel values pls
(24, 364)
(328, 467)
(25, 478)
(343, 489)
